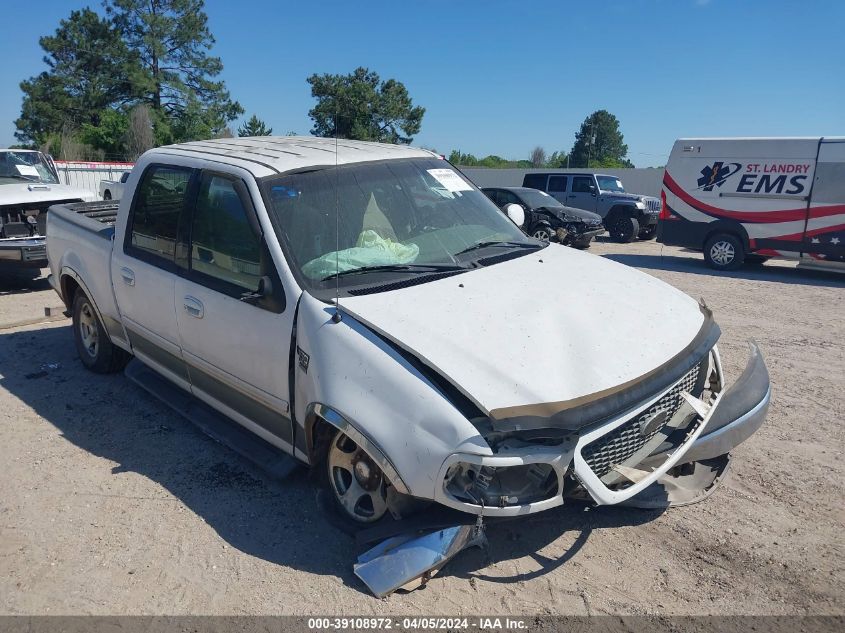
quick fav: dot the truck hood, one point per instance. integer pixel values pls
(34, 192)
(615, 195)
(542, 333)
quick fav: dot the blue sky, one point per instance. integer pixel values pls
(502, 77)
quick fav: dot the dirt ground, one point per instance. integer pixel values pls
(112, 504)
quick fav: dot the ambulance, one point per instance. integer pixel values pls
(745, 200)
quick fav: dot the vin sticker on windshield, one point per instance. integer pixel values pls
(27, 170)
(450, 180)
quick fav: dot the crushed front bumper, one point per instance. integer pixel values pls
(713, 431)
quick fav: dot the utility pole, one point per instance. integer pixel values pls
(590, 144)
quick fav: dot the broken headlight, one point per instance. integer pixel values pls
(501, 486)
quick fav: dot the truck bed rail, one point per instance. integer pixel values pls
(103, 212)
(97, 217)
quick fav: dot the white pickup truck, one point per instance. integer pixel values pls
(363, 307)
(113, 189)
(29, 185)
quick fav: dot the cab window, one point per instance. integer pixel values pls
(157, 206)
(225, 251)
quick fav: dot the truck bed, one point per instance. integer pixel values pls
(97, 217)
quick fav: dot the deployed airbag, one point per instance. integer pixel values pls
(370, 250)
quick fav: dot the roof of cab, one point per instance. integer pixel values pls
(268, 155)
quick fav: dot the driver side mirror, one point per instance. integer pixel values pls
(516, 213)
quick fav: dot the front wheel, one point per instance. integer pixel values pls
(95, 349)
(542, 232)
(624, 229)
(724, 251)
(357, 484)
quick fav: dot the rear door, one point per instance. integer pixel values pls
(824, 239)
(557, 187)
(144, 271)
(237, 347)
(583, 193)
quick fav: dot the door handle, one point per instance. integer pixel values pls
(194, 307)
(128, 276)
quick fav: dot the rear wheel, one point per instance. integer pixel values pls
(93, 345)
(357, 484)
(724, 251)
(624, 229)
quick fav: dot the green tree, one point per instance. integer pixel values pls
(108, 135)
(558, 160)
(361, 106)
(177, 75)
(254, 127)
(599, 142)
(88, 71)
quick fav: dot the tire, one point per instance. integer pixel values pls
(583, 244)
(724, 251)
(95, 349)
(107, 195)
(356, 485)
(649, 234)
(624, 229)
(542, 232)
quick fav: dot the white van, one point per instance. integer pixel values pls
(748, 199)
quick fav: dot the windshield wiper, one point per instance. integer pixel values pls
(404, 268)
(481, 245)
(22, 177)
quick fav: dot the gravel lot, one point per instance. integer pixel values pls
(112, 504)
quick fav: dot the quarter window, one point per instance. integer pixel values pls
(223, 245)
(557, 183)
(581, 184)
(155, 216)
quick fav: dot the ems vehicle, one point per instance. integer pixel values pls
(748, 199)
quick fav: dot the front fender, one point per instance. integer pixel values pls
(373, 388)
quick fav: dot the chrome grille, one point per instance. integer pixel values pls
(614, 448)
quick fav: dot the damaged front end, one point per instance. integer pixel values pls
(669, 449)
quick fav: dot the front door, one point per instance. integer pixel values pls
(582, 194)
(143, 268)
(236, 344)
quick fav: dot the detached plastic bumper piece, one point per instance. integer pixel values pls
(408, 561)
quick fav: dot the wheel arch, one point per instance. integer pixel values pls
(70, 282)
(727, 226)
(321, 420)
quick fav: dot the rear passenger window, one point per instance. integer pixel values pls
(535, 181)
(224, 248)
(557, 183)
(155, 214)
(581, 184)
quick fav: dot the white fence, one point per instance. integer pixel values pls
(88, 175)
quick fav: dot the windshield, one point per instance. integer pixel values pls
(25, 166)
(535, 199)
(394, 219)
(610, 183)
